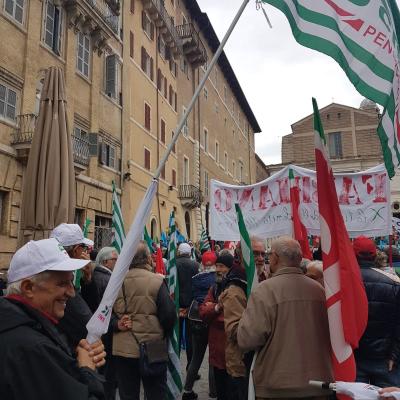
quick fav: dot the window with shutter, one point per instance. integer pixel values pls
(143, 59)
(15, 8)
(83, 54)
(163, 172)
(132, 6)
(111, 76)
(173, 147)
(103, 154)
(159, 79)
(147, 159)
(111, 156)
(8, 103)
(147, 118)
(165, 88)
(151, 69)
(52, 27)
(171, 95)
(173, 178)
(176, 102)
(162, 134)
(93, 143)
(131, 44)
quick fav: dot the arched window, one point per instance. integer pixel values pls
(187, 223)
(153, 228)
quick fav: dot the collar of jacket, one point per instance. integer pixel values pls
(102, 269)
(144, 266)
(288, 270)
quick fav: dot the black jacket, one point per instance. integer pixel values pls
(187, 268)
(36, 363)
(73, 324)
(381, 339)
(94, 291)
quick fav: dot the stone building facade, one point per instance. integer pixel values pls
(129, 70)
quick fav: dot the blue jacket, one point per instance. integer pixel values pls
(201, 283)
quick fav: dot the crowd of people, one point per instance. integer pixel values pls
(277, 338)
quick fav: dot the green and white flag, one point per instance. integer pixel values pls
(247, 253)
(362, 36)
(117, 221)
(148, 240)
(204, 242)
(174, 378)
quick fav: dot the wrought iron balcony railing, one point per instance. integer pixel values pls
(158, 13)
(23, 132)
(81, 150)
(109, 15)
(191, 194)
(192, 45)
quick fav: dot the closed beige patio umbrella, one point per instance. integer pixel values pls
(48, 197)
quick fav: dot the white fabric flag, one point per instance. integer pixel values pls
(98, 324)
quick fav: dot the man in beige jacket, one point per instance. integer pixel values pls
(286, 321)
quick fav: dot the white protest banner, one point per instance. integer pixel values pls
(396, 224)
(364, 199)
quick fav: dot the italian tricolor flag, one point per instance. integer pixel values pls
(345, 294)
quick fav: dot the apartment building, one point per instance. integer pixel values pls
(218, 139)
(130, 68)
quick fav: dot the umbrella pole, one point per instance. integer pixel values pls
(391, 251)
(190, 106)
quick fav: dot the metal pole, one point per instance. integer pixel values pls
(184, 117)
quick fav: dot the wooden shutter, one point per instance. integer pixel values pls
(173, 178)
(143, 20)
(163, 172)
(93, 144)
(131, 37)
(111, 75)
(147, 116)
(173, 147)
(165, 88)
(176, 102)
(143, 59)
(159, 78)
(103, 154)
(146, 159)
(162, 131)
(151, 31)
(132, 6)
(170, 95)
(151, 69)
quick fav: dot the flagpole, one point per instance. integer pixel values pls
(190, 106)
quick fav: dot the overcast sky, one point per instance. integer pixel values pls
(277, 75)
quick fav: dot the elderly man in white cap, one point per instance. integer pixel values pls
(35, 361)
(77, 313)
(187, 268)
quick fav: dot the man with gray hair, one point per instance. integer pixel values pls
(286, 322)
(35, 361)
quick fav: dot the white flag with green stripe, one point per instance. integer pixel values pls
(247, 253)
(174, 378)
(204, 242)
(117, 221)
(362, 36)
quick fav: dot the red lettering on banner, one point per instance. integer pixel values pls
(266, 199)
(247, 194)
(284, 193)
(380, 38)
(365, 179)
(380, 192)
(346, 195)
(306, 192)
(218, 200)
(388, 45)
(370, 31)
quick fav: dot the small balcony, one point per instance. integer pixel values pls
(80, 149)
(192, 46)
(98, 18)
(190, 196)
(21, 135)
(159, 15)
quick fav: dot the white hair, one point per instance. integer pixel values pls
(288, 250)
(104, 254)
(15, 287)
(317, 265)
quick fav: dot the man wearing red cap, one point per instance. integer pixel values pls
(378, 354)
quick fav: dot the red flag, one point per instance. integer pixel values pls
(345, 294)
(160, 268)
(299, 230)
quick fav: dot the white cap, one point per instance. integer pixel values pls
(70, 235)
(41, 255)
(185, 249)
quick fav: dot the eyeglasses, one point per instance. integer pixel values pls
(259, 254)
(113, 259)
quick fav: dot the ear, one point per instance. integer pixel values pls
(27, 288)
(75, 252)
